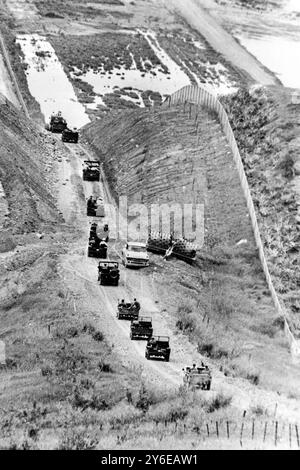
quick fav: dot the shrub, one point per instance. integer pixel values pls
(98, 336)
(186, 322)
(46, 371)
(258, 410)
(76, 440)
(144, 399)
(104, 366)
(218, 402)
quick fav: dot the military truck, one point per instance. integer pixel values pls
(108, 273)
(197, 377)
(91, 170)
(97, 248)
(57, 123)
(141, 328)
(158, 347)
(95, 207)
(128, 310)
(96, 232)
(70, 135)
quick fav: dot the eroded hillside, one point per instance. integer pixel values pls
(157, 156)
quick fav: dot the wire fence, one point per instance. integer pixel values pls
(192, 97)
(255, 433)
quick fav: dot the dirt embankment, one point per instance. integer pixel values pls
(7, 26)
(156, 157)
(25, 159)
(266, 125)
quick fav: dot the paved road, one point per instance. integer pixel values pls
(198, 18)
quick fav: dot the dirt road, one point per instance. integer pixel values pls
(199, 19)
(80, 276)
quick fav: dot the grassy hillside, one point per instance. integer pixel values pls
(266, 125)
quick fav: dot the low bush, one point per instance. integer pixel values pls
(218, 402)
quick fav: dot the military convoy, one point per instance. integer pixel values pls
(141, 328)
(134, 254)
(128, 310)
(70, 135)
(95, 207)
(108, 273)
(91, 170)
(158, 347)
(57, 123)
(197, 378)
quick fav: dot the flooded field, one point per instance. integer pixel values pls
(47, 81)
(272, 36)
(280, 55)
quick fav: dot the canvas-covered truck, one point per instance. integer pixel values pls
(134, 254)
(197, 378)
(167, 245)
(97, 248)
(158, 347)
(108, 273)
(57, 123)
(91, 170)
(70, 135)
(97, 232)
(141, 328)
(128, 310)
(95, 207)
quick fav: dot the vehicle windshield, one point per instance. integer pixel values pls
(139, 249)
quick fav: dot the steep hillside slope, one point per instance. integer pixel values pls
(266, 125)
(24, 158)
(156, 157)
(222, 302)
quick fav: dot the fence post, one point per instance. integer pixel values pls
(207, 429)
(253, 429)
(290, 435)
(276, 432)
(217, 428)
(227, 428)
(297, 434)
(265, 430)
(241, 434)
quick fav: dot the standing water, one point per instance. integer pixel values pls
(275, 42)
(47, 81)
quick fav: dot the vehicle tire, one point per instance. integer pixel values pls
(147, 356)
(208, 386)
(167, 358)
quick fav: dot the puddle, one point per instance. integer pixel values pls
(47, 81)
(3, 207)
(280, 55)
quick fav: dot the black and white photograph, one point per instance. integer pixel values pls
(149, 228)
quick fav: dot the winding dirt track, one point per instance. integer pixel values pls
(80, 276)
(199, 19)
